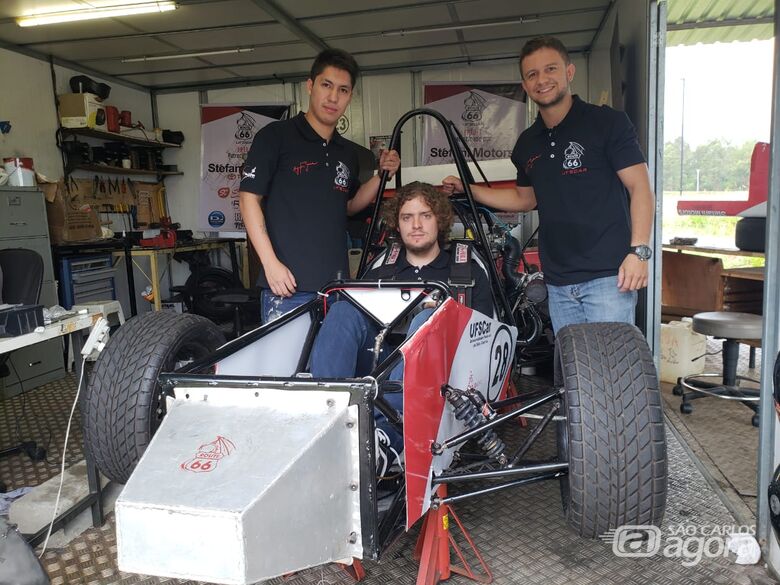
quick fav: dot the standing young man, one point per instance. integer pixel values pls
(581, 166)
(299, 184)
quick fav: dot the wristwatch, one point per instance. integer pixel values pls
(643, 252)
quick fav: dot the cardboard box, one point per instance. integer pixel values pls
(69, 220)
(82, 110)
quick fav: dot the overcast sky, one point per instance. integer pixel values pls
(728, 92)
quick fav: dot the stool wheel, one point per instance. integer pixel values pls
(677, 390)
(755, 420)
(686, 408)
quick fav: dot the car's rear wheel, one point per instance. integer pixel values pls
(123, 405)
(613, 433)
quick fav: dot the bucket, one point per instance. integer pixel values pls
(20, 171)
(680, 346)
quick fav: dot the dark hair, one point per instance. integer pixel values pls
(543, 42)
(335, 58)
(435, 199)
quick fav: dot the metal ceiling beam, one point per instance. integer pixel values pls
(291, 24)
(166, 33)
(375, 70)
(690, 25)
(350, 36)
(262, 23)
(70, 65)
(303, 19)
(513, 38)
(602, 24)
(459, 33)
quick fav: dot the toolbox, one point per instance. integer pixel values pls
(86, 278)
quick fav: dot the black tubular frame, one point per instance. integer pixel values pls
(368, 393)
(459, 149)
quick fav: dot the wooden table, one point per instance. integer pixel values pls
(696, 282)
(154, 261)
(746, 273)
(708, 250)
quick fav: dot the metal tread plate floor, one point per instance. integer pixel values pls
(521, 533)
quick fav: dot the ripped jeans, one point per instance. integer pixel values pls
(273, 306)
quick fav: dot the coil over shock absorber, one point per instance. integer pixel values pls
(472, 408)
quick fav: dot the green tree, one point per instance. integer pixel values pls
(672, 164)
(722, 166)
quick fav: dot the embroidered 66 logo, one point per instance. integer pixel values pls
(572, 155)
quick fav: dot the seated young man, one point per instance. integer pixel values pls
(422, 216)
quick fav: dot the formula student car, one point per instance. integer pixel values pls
(239, 466)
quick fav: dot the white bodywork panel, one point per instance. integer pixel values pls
(274, 354)
(240, 485)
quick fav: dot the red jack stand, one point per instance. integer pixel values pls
(433, 548)
(355, 570)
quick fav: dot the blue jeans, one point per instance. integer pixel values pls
(344, 348)
(273, 306)
(594, 301)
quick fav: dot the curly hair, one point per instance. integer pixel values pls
(435, 199)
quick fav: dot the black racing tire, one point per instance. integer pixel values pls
(123, 405)
(203, 285)
(750, 234)
(613, 434)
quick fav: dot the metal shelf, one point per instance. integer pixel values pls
(124, 171)
(92, 133)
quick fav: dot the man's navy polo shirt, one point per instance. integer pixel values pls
(439, 269)
(584, 221)
(306, 182)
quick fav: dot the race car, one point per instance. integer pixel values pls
(239, 466)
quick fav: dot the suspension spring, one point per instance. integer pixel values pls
(467, 411)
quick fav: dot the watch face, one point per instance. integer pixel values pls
(644, 252)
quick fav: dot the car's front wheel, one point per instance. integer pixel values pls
(123, 404)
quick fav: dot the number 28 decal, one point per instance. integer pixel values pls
(500, 358)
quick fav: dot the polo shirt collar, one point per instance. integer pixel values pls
(441, 261)
(574, 112)
(310, 134)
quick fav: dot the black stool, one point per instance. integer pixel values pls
(238, 298)
(730, 327)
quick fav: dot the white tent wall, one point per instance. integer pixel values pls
(138, 102)
(26, 100)
(378, 103)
